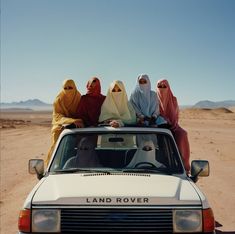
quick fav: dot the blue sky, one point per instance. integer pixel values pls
(189, 42)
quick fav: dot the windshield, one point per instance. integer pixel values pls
(107, 152)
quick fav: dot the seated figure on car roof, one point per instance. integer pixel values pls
(64, 112)
(90, 103)
(145, 102)
(116, 110)
(169, 109)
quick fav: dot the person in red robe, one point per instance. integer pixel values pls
(90, 103)
(169, 109)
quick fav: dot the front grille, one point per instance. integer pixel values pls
(116, 220)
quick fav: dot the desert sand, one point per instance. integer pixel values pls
(26, 135)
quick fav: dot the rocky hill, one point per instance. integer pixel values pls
(212, 105)
(34, 104)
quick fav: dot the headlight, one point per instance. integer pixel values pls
(187, 220)
(46, 220)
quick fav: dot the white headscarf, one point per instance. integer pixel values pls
(145, 153)
(116, 105)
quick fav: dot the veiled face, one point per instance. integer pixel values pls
(117, 96)
(116, 89)
(142, 81)
(143, 84)
(86, 144)
(92, 84)
(69, 88)
(147, 148)
(163, 84)
(147, 145)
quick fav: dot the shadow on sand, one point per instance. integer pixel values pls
(217, 224)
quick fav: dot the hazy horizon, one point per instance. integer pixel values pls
(22, 103)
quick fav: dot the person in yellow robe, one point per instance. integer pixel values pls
(65, 109)
(116, 110)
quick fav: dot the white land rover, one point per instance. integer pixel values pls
(120, 180)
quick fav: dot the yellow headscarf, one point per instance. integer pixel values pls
(66, 104)
(116, 105)
(65, 109)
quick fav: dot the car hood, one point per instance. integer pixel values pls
(115, 189)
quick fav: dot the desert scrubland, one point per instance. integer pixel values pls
(26, 135)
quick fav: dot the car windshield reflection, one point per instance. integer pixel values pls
(117, 152)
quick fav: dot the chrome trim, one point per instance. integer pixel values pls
(114, 207)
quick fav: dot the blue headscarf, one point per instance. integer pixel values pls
(143, 99)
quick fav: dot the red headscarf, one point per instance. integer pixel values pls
(93, 87)
(90, 104)
(169, 108)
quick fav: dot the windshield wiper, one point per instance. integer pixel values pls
(74, 170)
(146, 170)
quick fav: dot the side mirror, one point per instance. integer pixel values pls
(36, 166)
(199, 168)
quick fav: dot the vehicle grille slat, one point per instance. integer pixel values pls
(118, 220)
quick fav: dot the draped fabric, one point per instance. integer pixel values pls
(181, 138)
(66, 104)
(145, 153)
(143, 99)
(86, 156)
(169, 109)
(90, 103)
(64, 111)
(93, 87)
(116, 105)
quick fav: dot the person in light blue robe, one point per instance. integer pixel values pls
(145, 102)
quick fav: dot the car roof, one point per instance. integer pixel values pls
(106, 129)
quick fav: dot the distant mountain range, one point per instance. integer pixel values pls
(212, 105)
(36, 104)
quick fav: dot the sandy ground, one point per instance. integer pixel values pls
(26, 135)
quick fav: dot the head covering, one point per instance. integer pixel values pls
(169, 108)
(66, 102)
(140, 138)
(69, 93)
(145, 155)
(93, 87)
(116, 105)
(90, 104)
(144, 100)
(64, 111)
(86, 155)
